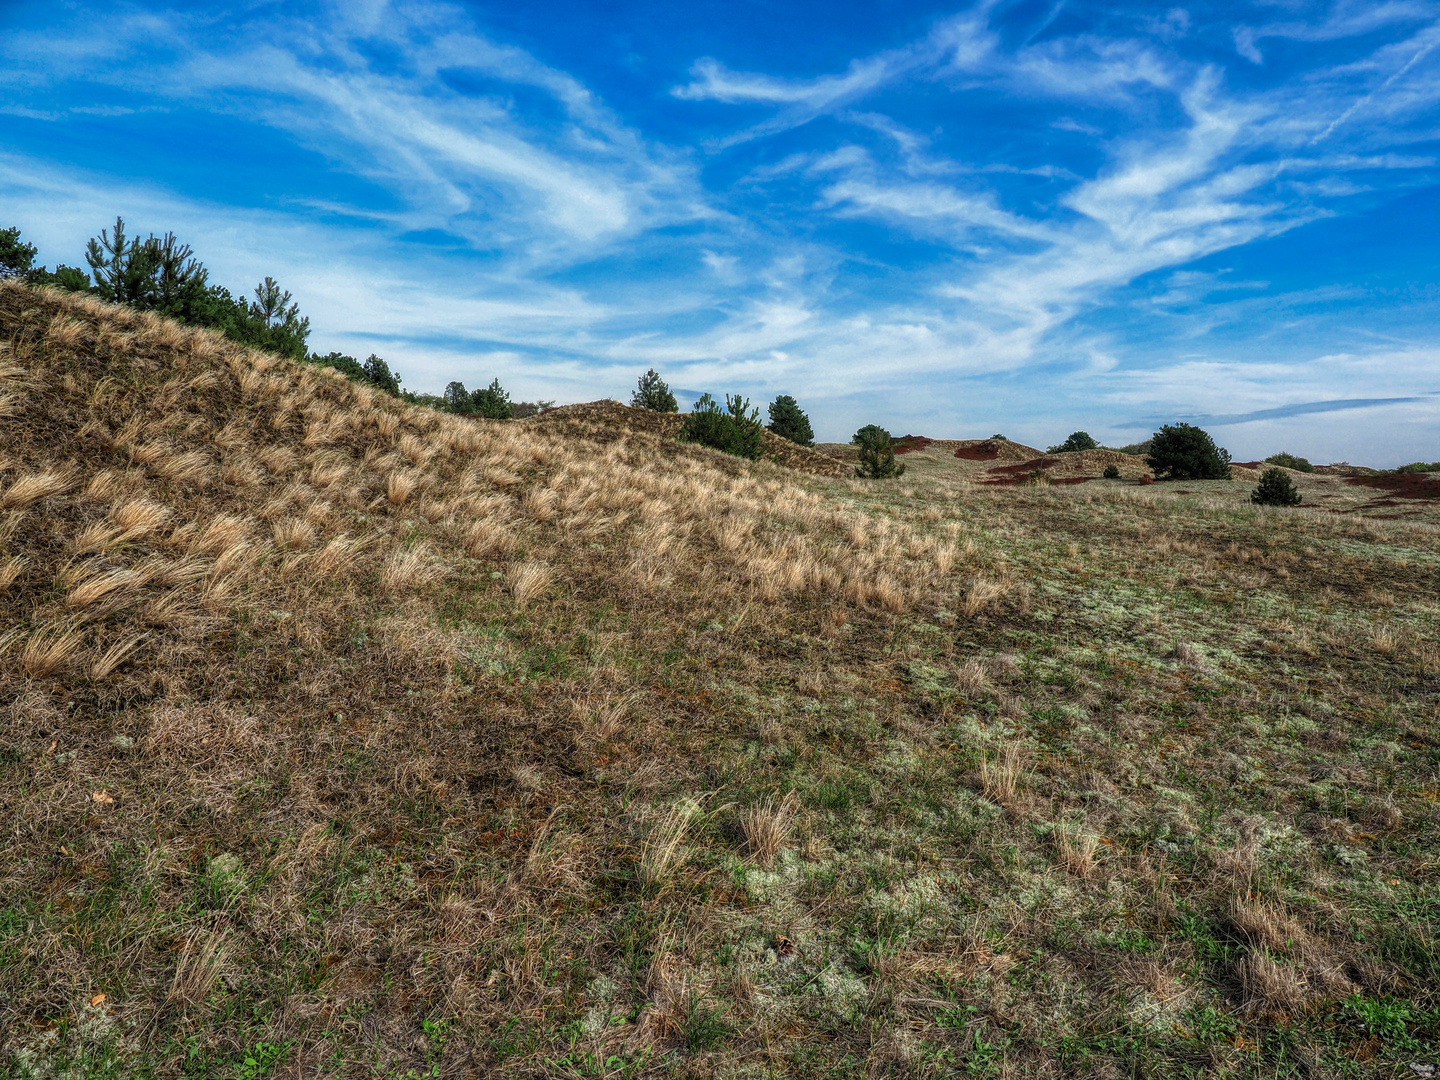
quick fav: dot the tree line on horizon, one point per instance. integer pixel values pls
(162, 274)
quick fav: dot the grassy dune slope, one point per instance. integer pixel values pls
(339, 738)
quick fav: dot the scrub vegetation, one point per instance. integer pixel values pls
(342, 737)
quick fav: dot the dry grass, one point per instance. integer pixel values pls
(1000, 774)
(662, 853)
(1076, 850)
(766, 827)
(111, 659)
(528, 580)
(451, 791)
(34, 487)
(50, 650)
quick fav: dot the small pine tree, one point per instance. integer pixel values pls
(493, 402)
(458, 399)
(1275, 489)
(653, 393)
(877, 454)
(1186, 452)
(734, 429)
(17, 259)
(378, 372)
(1112, 472)
(789, 421)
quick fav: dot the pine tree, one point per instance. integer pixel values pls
(789, 421)
(653, 393)
(877, 454)
(1275, 489)
(17, 259)
(493, 402)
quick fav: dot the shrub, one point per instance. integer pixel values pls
(519, 410)
(1186, 452)
(1112, 472)
(373, 372)
(1290, 461)
(999, 438)
(653, 393)
(877, 453)
(1420, 467)
(734, 429)
(1079, 440)
(1139, 449)
(1275, 489)
(789, 421)
(493, 402)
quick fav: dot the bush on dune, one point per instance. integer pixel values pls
(1186, 452)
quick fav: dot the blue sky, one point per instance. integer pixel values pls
(955, 220)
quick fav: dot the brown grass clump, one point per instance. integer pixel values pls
(1000, 775)
(34, 487)
(100, 585)
(47, 651)
(409, 567)
(980, 594)
(661, 852)
(399, 487)
(766, 827)
(1268, 985)
(1076, 850)
(527, 580)
(117, 654)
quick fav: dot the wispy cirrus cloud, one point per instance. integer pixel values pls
(996, 203)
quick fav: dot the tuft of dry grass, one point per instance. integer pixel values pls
(980, 593)
(1000, 775)
(34, 487)
(98, 586)
(1076, 850)
(527, 580)
(1269, 985)
(766, 827)
(399, 487)
(661, 852)
(201, 958)
(294, 534)
(10, 571)
(483, 538)
(116, 655)
(409, 567)
(49, 649)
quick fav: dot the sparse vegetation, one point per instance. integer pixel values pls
(653, 393)
(877, 454)
(1275, 489)
(1286, 460)
(1186, 452)
(344, 737)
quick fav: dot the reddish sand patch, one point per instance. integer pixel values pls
(988, 450)
(1025, 468)
(1402, 485)
(909, 443)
